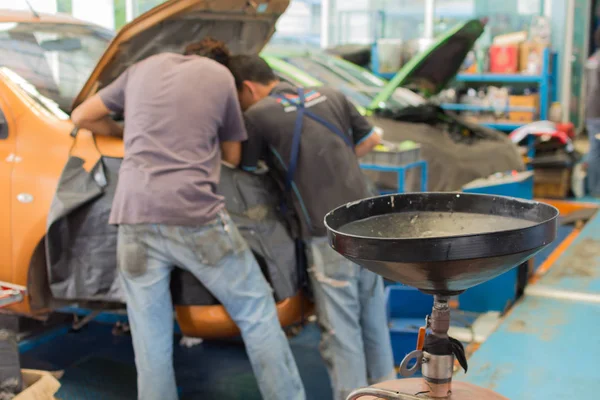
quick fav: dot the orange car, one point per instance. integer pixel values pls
(48, 65)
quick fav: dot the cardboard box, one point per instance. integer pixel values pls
(551, 183)
(504, 59)
(39, 385)
(531, 100)
(531, 57)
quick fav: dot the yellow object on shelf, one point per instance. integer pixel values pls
(531, 100)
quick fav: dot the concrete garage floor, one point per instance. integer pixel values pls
(99, 365)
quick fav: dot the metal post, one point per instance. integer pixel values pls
(586, 46)
(544, 88)
(401, 179)
(437, 369)
(547, 8)
(325, 8)
(429, 16)
(130, 9)
(423, 175)
(567, 66)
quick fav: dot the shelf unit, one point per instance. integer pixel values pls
(546, 83)
(400, 171)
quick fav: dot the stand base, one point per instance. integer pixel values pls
(460, 390)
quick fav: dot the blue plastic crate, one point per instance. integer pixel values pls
(514, 184)
(407, 302)
(494, 295)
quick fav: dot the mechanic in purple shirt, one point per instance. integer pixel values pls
(182, 117)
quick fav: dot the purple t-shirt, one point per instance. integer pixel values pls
(177, 110)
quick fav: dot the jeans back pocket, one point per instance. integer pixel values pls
(216, 241)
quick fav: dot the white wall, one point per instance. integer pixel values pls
(101, 12)
(42, 6)
(295, 20)
(351, 21)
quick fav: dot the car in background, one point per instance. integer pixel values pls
(55, 240)
(457, 151)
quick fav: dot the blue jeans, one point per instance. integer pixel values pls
(593, 157)
(220, 258)
(350, 303)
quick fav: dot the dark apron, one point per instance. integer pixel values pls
(302, 112)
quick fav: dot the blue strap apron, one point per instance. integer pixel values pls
(302, 111)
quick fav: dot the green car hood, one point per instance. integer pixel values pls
(288, 69)
(432, 69)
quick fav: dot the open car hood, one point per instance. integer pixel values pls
(430, 70)
(246, 26)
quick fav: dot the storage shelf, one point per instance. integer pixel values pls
(546, 83)
(504, 78)
(468, 107)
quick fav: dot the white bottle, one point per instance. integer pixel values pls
(555, 113)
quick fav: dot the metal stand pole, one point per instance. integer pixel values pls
(436, 358)
(437, 369)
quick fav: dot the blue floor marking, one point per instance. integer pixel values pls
(545, 349)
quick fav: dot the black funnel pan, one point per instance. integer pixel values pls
(441, 243)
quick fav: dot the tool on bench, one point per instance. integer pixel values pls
(11, 294)
(441, 244)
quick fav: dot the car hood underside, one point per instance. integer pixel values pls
(244, 26)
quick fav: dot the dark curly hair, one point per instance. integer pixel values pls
(210, 48)
(250, 68)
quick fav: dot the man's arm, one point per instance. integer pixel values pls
(93, 114)
(253, 149)
(367, 144)
(232, 131)
(363, 133)
(231, 153)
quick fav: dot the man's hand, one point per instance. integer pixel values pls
(364, 147)
(93, 115)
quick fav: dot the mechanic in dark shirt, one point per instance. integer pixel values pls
(182, 117)
(313, 153)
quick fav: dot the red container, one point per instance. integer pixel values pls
(504, 59)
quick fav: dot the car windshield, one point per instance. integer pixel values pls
(56, 59)
(287, 79)
(362, 77)
(360, 94)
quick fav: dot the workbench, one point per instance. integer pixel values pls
(548, 346)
